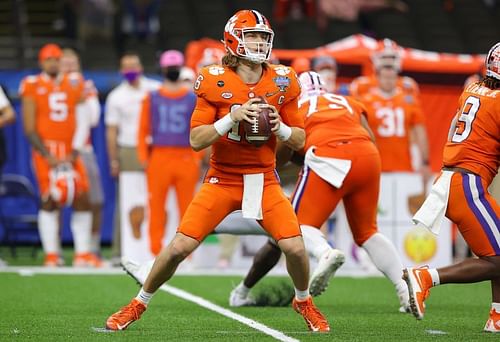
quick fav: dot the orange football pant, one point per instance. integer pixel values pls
(222, 194)
(167, 167)
(475, 212)
(315, 199)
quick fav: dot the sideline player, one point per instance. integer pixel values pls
(48, 104)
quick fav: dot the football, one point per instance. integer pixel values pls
(258, 132)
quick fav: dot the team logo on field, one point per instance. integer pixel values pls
(216, 70)
(227, 95)
(282, 82)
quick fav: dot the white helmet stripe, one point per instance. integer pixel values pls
(259, 17)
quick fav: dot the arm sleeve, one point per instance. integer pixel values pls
(112, 111)
(204, 113)
(82, 130)
(27, 89)
(4, 102)
(143, 133)
(417, 116)
(94, 108)
(290, 114)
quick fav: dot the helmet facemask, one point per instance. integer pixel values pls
(256, 52)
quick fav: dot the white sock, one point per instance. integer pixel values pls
(434, 275)
(81, 227)
(95, 243)
(386, 258)
(144, 296)
(314, 241)
(48, 226)
(301, 295)
(496, 307)
(242, 289)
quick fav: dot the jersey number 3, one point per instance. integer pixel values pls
(463, 124)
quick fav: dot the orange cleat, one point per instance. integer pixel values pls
(53, 260)
(127, 315)
(314, 318)
(87, 260)
(419, 283)
(493, 323)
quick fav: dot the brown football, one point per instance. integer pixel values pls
(259, 132)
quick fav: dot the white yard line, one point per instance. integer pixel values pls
(228, 313)
(30, 271)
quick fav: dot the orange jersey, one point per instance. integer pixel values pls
(364, 85)
(55, 103)
(474, 141)
(330, 119)
(220, 90)
(391, 119)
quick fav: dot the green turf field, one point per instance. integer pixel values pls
(66, 307)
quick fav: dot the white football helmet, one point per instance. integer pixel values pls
(63, 184)
(493, 62)
(311, 84)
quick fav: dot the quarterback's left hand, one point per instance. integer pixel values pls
(275, 118)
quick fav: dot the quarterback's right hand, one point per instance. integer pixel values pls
(246, 111)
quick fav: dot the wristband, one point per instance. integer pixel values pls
(284, 132)
(224, 124)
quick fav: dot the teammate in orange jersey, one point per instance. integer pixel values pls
(394, 118)
(471, 159)
(48, 104)
(240, 175)
(339, 150)
(163, 146)
(386, 54)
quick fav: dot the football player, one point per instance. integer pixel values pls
(241, 175)
(49, 100)
(471, 158)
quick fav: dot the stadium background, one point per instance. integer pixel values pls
(102, 30)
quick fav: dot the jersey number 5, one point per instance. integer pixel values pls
(463, 124)
(58, 107)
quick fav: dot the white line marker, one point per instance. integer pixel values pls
(436, 332)
(228, 313)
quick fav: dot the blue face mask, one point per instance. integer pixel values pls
(131, 76)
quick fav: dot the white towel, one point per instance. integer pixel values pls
(331, 170)
(431, 213)
(253, 187)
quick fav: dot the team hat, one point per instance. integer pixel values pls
(49, 51)
(171, 58)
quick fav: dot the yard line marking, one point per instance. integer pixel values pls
(278, 335)
(228, 313)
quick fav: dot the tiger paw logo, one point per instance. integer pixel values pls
(420, 245)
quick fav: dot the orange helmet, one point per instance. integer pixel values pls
(493, 62)
(387, 54)
(63, 184)
(234, 36)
